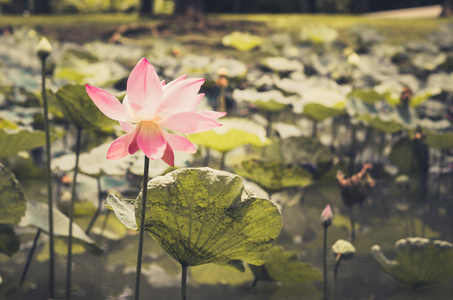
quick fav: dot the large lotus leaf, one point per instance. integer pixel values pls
(268, 101)
(442, 141)
(9, 241)
(204, 216)
(389, 126)
(274, 176)
(12, 142)
(282, 64)
(235, 132)
(12, 198)
(37, 215)
(242, 41)
(80, 110)
(284, 266)
(213, 274)
(319, 112)
(368, 96)
(427, 61)
(418, 261)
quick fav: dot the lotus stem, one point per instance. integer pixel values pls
(49, 181)
(142, 229)
(98, 210)
(351, 219)
(30, 256)
(184, 282)
(207, 157)
(106, 219)
(269, 116)
(222, 160)
(314, 129)
(335, 272)
(324, 262)
(352, 153)
(71, 215)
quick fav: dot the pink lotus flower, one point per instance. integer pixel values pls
(151, 107)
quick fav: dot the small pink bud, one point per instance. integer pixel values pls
(327, 216)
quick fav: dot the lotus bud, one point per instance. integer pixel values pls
(327, 216)
(44, 48)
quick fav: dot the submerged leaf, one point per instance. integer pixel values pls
(204, 216)
(418, 261)
(234, 132)
(274, 176)
(284, 266)
(12, 198)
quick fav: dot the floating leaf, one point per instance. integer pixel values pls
(390, 126)
(268, 101)
(317, 33)
(12, 198)
(94, 163)
(242, 41)
(274, 176)
(80, 110)
(282, 64)
(418, 261)
(213, 274)
(235, 132)
(37, 215)
(442, 141)
(368, 96)
(204, 216)
(12, 142)
(319, 112)
(284, 266)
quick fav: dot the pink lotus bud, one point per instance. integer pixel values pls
(327, 216)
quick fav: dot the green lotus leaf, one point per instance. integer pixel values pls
(6, 124)
(271, 101)
(390, 126)
(404, 156)
(37, 215)
(368, 96)
(80, 110)
(284, 266)
(12, 142)
(12, 198)
(202, 216)
(242, 41)
(282, 64)
(235, 132)
(9, 241)
(418, 261)
(442, 141)
(319, 112)
(423, 95)
(274, 176)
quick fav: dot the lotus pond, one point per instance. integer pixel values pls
(332, 133)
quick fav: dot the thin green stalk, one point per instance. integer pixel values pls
(98, 210)
(335, 272)
(222, 160)
(30, 256)
(184, 282)
(324, 261)
(49, 182)
(71, 215)
(142, 229)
